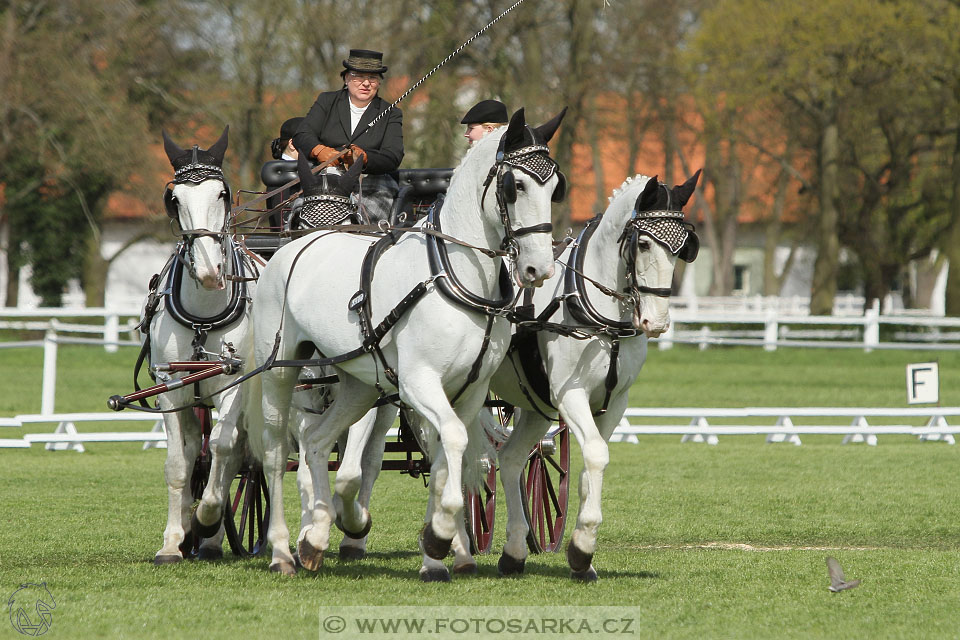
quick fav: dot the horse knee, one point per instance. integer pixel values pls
(596, 455)
(347, 484)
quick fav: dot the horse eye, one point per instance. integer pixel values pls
(223, 195)
(643, 245)
(521, 187)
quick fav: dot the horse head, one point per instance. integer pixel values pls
(325, 198)
(653, 237)
(198, 198)
(525, 181)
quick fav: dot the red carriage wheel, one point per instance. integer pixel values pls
(249, 512)
(480, 508)
(545, 488)
(479, 511)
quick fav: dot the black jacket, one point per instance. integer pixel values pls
(328, 122)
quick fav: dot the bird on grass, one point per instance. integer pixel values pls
(838, 582)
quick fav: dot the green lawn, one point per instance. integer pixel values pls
(697, 541)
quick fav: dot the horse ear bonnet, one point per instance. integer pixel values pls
(691, 247)
(170, 203)
(560, 191)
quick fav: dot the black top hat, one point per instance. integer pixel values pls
(486, 111)
(365, 61)
(289, 128)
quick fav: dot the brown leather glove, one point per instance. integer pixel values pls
(356, 153)
(322, 152)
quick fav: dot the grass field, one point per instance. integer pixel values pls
(697, 541)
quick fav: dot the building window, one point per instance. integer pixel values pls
(741, 278)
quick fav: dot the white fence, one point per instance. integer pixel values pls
(785, 427)
(773, 330)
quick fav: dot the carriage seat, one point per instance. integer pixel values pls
(419, 188)
(277, 173)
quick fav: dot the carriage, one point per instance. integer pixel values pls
(592, 331)
(545, 482)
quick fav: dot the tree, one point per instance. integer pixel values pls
(61, 149)
(837, 74)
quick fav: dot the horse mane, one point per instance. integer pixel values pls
(639, 179)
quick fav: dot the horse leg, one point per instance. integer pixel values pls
(182, 449)
(447, 470)
(305, 488)
(275, 403)
(355, 548)
(353, 400)
(574, 406)
(529, 427)
(208, 518)
(352, 518)
(212, 548)
(463, 561)
(432, 569)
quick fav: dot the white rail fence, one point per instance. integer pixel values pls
(774, 330)
(785, 425)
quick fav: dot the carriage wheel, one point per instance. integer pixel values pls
(479, 511)
(246, 526)
(545, 489)
(480, 508)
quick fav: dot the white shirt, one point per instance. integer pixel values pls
(355, 114)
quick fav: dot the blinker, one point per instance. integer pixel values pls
(508, 187)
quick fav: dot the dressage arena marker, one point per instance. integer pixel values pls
(784, 430)
(66, 436)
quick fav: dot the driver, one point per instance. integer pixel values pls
(337, 117)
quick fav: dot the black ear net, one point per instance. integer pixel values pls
(170, 204)
(560, 191)
(691, 247)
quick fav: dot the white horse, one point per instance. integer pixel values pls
(198, 310)
(616, 284)
(438, 344)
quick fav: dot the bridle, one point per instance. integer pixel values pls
(668, 228)
(535, 161)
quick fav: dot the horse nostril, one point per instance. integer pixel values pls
(532, 273)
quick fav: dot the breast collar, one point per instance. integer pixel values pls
(230, 314)
(451, 287)
(575, 291)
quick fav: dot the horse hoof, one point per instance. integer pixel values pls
(203, 530)
(468, 569)
(351, 554)
(358, 535)
(435, 575)
(590, 575)
(286, 568)
(579, 561)
(167, 558)
(507, 565)
(210, 553)
(434, 547)
(311, 558)
(186, 547)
